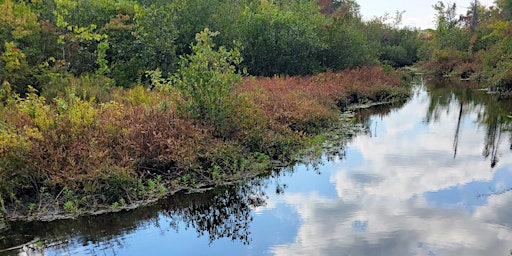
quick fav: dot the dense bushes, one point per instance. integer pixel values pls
(71, 153)
(497, 60)
(122, 39)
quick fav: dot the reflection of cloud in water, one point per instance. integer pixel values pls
(393, 228)
(498, 211)
(412, 162)
(381, 208)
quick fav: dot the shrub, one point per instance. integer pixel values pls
(205, 80)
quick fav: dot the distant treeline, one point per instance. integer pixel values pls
(44, 41)
(477, 45)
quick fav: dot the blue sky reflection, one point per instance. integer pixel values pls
(400, 191)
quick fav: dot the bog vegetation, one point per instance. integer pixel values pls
(109, 103)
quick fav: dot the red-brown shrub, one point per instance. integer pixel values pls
(309, 103)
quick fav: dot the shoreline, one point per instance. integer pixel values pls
(346, 128)
(131, 155)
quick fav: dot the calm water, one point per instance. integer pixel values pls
(433, 177)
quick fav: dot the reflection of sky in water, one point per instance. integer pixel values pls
(473, 194)
(400, 191)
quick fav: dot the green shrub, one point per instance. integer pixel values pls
(205, 80)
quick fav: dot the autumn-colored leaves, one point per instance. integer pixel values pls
(70, 143)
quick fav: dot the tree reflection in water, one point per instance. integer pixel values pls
(493, 114)
(220, 213)
(492, 141)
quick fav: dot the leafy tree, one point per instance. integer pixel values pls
(446, 14)
(506, 8)
(448, 32)
(125, 54)
(155, 28)
(340, 8)
(192, 16)
(396, 47)
(281, 39)
(17, 20)
(348, 46)
(19, 33)
(497, 61)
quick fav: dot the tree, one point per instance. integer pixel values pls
(19, 37)
(449, 34)
(281, 39)
(396, 47)
(125, 51)
(506, 8)
(340, 8)
(155, 27)
(445, 17)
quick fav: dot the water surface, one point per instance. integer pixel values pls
(433, 177)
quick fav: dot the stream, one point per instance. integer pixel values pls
(431, 177)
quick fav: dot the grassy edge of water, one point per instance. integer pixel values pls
(300, 135)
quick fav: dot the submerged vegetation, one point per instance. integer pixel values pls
(107, 104)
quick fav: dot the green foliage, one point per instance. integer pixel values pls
(87, 86)
(498, 65)
(70, 206)
(101, 61)
(124, 39)
(446, 15)
(17, 20)
(347, 45)
(125, 53)
(476, 45)
(395, 47)
(281, 39)
(79, 36)
(15, 68)
(506, 8)
(88, 12)
(206, 79)
(14, 58)
(155, 27)
(448, 33)
(192, 17)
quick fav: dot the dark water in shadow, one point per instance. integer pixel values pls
(433, 177)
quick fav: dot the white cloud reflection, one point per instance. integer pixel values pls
(382, 207)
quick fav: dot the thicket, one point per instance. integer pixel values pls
(106, 104)
(44, 42)
(477, 45)
(69, 154)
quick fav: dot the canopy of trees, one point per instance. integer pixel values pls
(46, 42)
